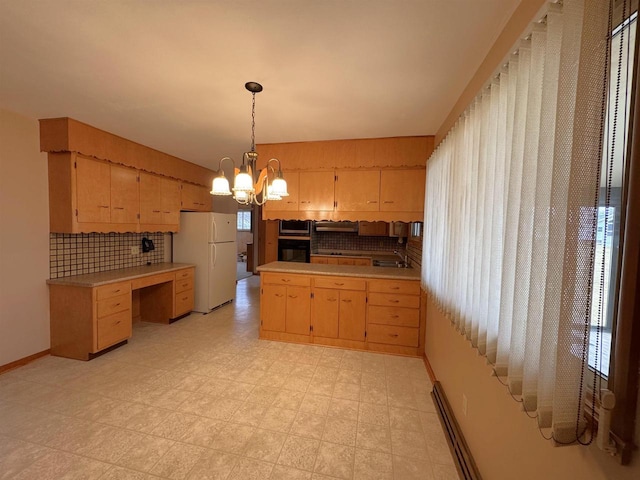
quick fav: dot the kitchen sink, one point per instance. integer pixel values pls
(389, 263)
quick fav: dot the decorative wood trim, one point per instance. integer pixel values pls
(23, 361)
(69, 135)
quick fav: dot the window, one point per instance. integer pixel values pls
(608, 229)
(244, 220)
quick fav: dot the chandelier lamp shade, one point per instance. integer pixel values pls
(250, 186)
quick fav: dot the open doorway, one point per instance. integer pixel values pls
(244, 240)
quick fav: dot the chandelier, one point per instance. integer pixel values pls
(249, 185)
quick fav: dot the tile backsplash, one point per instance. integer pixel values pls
(77, 254)
(353, 241)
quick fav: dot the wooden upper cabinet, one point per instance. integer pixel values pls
(357, 190)
(93, 190)
(402, 190)
(150, 199)
(316, 191)
(290, 203)
(170, 201)
(125, 196)
(195, 198)
(159, 203)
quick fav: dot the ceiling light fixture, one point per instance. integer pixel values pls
(249, 185)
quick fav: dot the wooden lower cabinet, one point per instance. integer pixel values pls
(339, 312)
(285, 305)
(393, 312)
(350, 312)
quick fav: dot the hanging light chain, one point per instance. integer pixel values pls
(253, 122)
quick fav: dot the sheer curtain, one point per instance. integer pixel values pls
(511, 213)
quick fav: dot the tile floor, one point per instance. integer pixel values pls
(205, 399)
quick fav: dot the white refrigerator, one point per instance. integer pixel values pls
(208, 240)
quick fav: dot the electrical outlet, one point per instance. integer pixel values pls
(135, 250)
(464, 404)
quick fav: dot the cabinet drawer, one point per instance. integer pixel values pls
(184, 302)
(285, 279)
(392, 335)
(405, 317)
(184, 274)
(394, 300)
(113, 329)
(113, 290)
(395, 286)
(342, 283)
(112, 305)
(183, 285)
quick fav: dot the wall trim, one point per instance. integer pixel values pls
(23, 361)
(432, 375)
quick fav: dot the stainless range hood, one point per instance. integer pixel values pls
(326, 226)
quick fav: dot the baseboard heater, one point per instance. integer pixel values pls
(461, 454)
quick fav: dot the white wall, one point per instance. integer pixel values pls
(24, 239)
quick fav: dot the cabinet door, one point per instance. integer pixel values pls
(324, 312)
(150, 198)
(195, 198)
(298, 310)
(357, 191)
(402, 190)
(353, 307)
(316, 191)
(93, 180)
(189, 197)
(273, 303)
(290, 203)
(346, 261)
(125, 200)
(170, 201)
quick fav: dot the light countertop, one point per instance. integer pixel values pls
(120, 275)
(389, 273)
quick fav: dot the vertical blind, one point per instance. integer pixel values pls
(511, 213)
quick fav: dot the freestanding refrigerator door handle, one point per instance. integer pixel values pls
(213, 256)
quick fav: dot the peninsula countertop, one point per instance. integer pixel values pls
(121, 274)
(342, 270)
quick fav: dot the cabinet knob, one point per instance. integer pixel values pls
(332, 299)
(372, 201)
(388, 201)
(395, 316)
(338, 283)
(394, 301)
(103, 206)
(346, 300)
(393, 335)
(293, 296)
(395, 288)
(156, 211)
(286, 280)
(279, 295)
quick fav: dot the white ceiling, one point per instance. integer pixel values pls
(171, 74)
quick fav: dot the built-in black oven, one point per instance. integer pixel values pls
(295, 227)
(294, 250)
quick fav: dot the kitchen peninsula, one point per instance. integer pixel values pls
(359, 307)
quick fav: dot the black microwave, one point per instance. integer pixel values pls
(295, 227)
